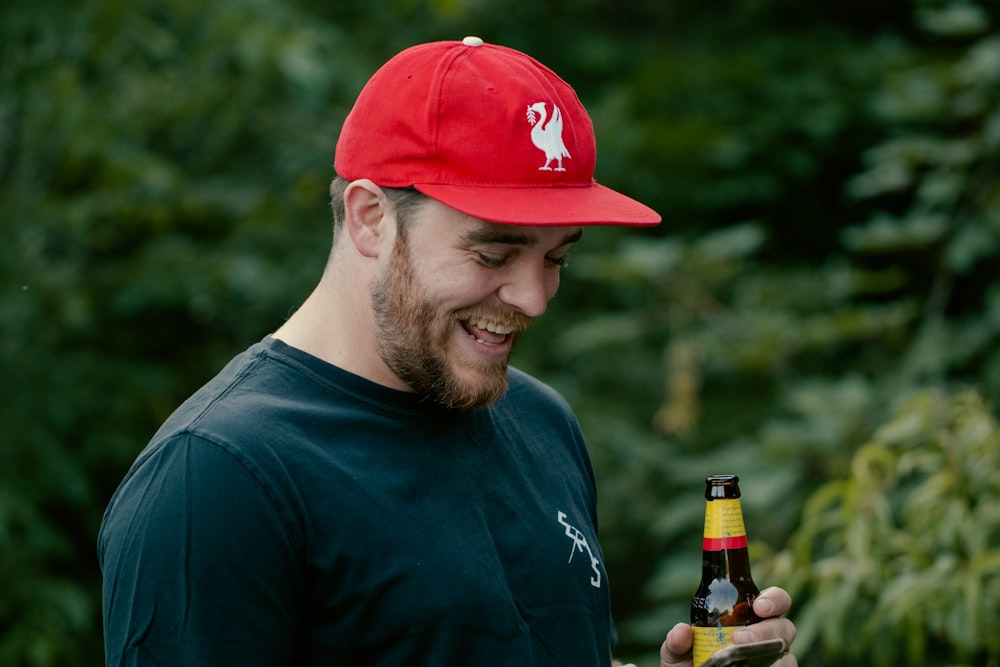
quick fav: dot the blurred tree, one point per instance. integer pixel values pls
(158, 160)
(907, 546)
(794, 351)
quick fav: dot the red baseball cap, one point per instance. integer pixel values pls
(486, 130)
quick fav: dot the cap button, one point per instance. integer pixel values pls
(472, 41)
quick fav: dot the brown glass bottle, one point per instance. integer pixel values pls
(725, 596)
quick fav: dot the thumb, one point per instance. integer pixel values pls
(676, 649)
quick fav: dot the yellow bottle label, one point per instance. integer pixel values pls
(709, 640)
(724, 527)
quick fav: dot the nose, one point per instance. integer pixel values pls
(529, 288)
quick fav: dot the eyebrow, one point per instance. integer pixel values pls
(493, 235)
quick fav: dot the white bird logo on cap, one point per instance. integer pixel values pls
(548, 136)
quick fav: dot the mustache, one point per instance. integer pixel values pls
(514, 319)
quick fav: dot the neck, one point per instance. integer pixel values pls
(335, 324)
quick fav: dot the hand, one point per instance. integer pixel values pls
(770, 605)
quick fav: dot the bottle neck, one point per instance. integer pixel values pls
(724, 528)
(733, 564)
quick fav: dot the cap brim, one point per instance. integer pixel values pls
(593, 204)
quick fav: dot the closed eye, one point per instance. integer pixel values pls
(504, 245)
(560, 262)
(491, 261)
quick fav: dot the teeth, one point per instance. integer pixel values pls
(492, 327)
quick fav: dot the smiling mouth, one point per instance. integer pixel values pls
(487, 332)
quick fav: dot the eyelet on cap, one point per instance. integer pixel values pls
(472, 41)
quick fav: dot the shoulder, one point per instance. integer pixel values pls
(188, 476)
(251, 407)
(528, 389)
(532, 404)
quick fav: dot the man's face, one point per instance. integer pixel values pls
(456, 294)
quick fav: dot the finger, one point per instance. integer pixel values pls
(787, 661)
(772, 601)
(676, 648)
(772, 628)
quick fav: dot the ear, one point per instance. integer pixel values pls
(368, 217)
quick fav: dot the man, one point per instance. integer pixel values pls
(372, 484)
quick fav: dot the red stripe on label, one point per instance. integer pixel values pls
(723, 543)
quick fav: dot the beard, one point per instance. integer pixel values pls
(413, 339)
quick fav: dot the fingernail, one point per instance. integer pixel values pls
(764, 606)
(743, 636)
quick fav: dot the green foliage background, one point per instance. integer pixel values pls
(819, 312)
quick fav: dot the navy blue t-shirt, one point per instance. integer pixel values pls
(292, 513)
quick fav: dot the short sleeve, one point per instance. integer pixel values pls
(200, 565)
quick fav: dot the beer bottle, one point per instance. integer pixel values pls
(725, 596)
